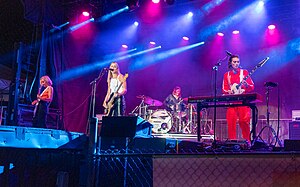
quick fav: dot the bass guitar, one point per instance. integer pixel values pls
(111, 101)
(236, 88)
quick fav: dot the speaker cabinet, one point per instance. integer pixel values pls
(125, 126)
(294, 130)
(116, 132)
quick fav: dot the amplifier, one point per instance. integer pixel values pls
(25, 116)
(294, 130)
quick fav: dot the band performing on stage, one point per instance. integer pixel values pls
(179, 115)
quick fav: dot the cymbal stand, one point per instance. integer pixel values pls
(139, 108)
(189, 125)
(270, 128)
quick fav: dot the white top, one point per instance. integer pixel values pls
(114, 84)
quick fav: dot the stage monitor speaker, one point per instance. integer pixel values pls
(292, 145)
(294, 130)
(125, 126)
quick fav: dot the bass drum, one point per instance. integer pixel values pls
(161, 121)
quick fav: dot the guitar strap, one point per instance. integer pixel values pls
(228, 77)
(241, 75)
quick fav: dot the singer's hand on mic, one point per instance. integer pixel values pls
(109, 69)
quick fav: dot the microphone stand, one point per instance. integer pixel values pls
(215, 69)
(92, 130)
(93, 97)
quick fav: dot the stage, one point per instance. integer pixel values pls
(47, 157)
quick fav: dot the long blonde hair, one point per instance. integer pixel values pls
(109, 76)
(47, 80)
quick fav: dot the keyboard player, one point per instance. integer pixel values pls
(237, 81)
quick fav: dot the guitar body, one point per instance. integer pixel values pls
(112, 98)
(110, 103)
(236, 89)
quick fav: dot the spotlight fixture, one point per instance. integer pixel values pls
(185, 38)
(170, 2)
(235, 32)
(220, 34)
(85, 13)
(271, 27)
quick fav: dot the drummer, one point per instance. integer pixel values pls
(174, 102)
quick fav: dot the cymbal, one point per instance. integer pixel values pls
(152, 102)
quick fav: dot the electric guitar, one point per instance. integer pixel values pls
(36, 102)
(111, 101)
(236, 88)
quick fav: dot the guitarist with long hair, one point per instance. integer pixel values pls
(114, 102)
(237, 81)
(44, 98)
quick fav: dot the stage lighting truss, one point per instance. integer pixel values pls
(170, 2)
(132, 4)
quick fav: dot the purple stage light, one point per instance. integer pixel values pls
(271, 27)
(185, 38)
(190, 14)
(235, 32)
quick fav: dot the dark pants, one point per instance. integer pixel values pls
(119, 107)
(39, 119)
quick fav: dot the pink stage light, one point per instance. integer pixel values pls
(235, 32)
(271, 27)
(155, 1)
(124, 46)
(85, 13)
(185, 38)
(152, 43)
(220, 34)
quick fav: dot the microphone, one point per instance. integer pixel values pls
(263, 62)
(228, 53)
(108, 69)
(271, 84)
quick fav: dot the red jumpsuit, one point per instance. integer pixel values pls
(242, 113)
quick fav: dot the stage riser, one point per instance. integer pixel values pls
(26, 137)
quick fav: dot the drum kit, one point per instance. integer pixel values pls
(164, 121)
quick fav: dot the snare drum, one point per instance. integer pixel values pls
(161, 121)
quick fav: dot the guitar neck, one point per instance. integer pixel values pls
(119, 87)
(245, 78)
